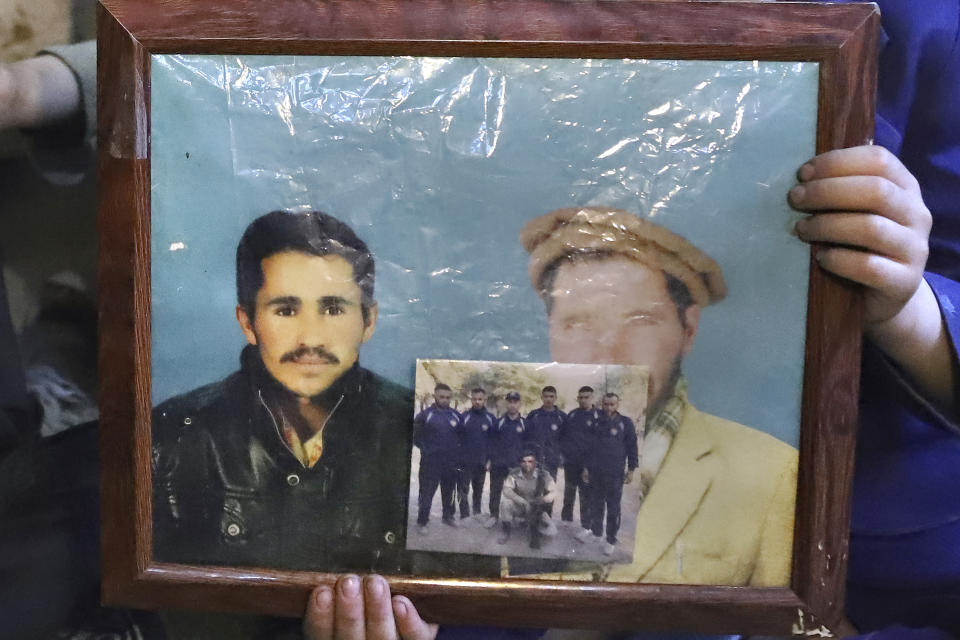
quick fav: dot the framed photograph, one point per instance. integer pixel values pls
(499, 300)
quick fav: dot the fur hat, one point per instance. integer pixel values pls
(588, 230)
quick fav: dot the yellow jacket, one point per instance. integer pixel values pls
(720, 511)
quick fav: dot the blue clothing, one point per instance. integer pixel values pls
(605, 493)
(543, 431)
(436, 471)
(614, 444)
(506, 441)
(905, 531)
(436, 432)
(577, 435)
(474, 436)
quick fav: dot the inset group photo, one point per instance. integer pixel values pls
(527, 459)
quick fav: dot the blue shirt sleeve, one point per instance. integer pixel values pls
(633, 457)
(947, 292)
(418, 424)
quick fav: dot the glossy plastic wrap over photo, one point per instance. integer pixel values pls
(321, 223)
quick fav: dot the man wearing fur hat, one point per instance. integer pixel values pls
(718, 497)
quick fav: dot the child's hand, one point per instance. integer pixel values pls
(358, 609)
(868, 207)
(868, 204)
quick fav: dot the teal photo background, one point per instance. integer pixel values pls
(437, 163)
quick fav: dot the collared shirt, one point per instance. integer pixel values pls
(659, 434)
(308, 452)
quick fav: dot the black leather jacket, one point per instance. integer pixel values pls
(228, 491)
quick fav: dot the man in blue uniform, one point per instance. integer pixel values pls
(506, 449)
(615, 444)
(543, 430)
(477, 423)
(576, 438)
(436, 432)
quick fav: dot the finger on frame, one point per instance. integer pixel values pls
(866, 231)
(873, 271)
(865, 160)
(378, 609)
(348, 619)
(409, 622)
(858, 193)
(318, 621)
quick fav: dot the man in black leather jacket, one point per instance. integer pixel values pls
(301, 458)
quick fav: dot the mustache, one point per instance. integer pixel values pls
(316, 352)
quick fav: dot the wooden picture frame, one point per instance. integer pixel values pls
(842, 39)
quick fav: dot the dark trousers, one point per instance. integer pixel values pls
(552, 466)
(18, 411)
(572, 482)
(497, 476)
(434, 473)
(475, 475)
(605, 491)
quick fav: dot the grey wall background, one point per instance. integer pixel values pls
(438, 164)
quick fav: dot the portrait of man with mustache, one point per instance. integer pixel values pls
(300, 458)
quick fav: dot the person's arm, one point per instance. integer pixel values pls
(419, 425)
(867, 207)
(564, 428)
(38, 92)
(509, 491)
(528, 433)
(633, 456)
(917, 340)
(589, 452)
(52, 97)
(487, 442)
(551, 493)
